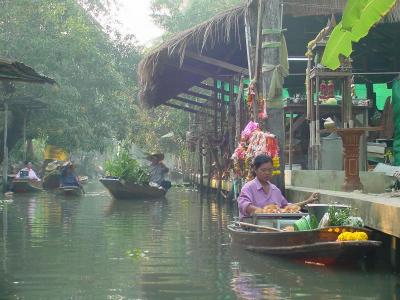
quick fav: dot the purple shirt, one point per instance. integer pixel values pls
(254, 194)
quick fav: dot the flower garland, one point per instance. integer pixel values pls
(254, 142)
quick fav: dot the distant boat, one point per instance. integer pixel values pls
(121, 189)
(70, 191)
(52, 180)
(26, 186)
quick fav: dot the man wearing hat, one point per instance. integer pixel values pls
(158, 170)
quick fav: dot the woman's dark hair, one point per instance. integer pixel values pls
(261, 159)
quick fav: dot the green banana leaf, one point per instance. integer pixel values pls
(352, 13)
(338, 43)
(358, 18)
(373, 12)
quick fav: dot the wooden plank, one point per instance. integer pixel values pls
(200, 95)
(217, 63)
(210, 88)
(182, 108)
(188, 101)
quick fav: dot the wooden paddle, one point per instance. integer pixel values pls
(260, 227)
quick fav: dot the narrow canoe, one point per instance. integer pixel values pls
(121, 189)
(74, 191)
(314, 245)
(26, 186)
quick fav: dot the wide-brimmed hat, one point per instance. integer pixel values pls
(51, 166)
(158, 155)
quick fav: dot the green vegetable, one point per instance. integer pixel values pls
(338, 216)
(125, 167)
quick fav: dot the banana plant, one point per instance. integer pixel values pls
(358, 18)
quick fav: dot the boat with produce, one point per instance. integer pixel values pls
(299, 236)
(122, 189)
(26, 186)
(127, 179)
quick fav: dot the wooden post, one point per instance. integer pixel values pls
(24, 144)
(209, 168)
(231, 116)
(317, 145)
(290, 141)
(275, 123)
(239, 112)
(200, 165)
(5, 149)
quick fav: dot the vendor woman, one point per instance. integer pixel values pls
(260, 192)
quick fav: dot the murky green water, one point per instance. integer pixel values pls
(179, 248)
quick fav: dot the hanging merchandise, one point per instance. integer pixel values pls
(251, 93)
(262, 109)
(254, 142)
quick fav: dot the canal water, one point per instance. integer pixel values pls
(178, 248)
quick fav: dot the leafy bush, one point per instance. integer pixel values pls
(125, 167)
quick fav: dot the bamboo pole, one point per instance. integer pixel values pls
(5, 149)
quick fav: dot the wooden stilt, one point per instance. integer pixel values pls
(5, 149)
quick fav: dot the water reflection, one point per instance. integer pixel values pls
(264, 277)
(178, 248)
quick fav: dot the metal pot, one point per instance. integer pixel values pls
(319, 209)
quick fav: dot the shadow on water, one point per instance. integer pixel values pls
(257, 276)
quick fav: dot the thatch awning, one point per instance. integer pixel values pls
(16, 71)
(196, 54)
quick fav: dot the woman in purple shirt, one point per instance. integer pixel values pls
(260, 192)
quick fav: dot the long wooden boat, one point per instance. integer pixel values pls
(121, 189)
(51, 181)
(74, 191)
(26, 186)
(318, 245)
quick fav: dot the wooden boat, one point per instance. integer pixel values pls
(51, 181)
(70, 191)
(120, 189)
(318, 245)
(26, 186)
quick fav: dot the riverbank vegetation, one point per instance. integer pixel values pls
(95, 101)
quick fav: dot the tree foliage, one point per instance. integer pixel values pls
(178, 15)
(96, 78)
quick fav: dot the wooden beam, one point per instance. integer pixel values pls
(202, 96)
(182, 107)
(217, 63)
(188, 101)
(209, 87)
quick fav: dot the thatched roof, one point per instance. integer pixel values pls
(12, 70)
(165, 72)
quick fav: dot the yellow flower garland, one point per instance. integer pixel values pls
(353, 236)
